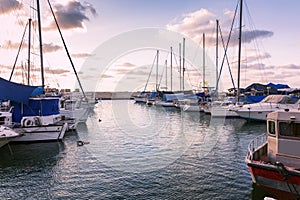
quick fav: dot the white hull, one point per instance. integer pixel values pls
(254, 115)
(6, 135)
(222, 112)
(165, 104)
(41, 133)
(140, 99)
(190, 108)
(80, 114)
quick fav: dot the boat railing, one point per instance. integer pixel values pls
(256, 144)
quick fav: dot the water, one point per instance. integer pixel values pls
(136, 152)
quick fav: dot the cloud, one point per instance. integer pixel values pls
(72, 15)
(81, 55)
(8, 44)
(56, 71)
(50, 47)
(7, 6)
(127, 64)
(196, 23)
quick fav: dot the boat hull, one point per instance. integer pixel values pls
(3, 142)
(253, 115)
(191, 108)
(223, 112)
(41, 133)
(272, 177)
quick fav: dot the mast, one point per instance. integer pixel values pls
(166, 62)
(171, 63)
(203, 60)
(180, 67)
(29, 46)
(217, 55)
(67, 51)
(183, 62)
(157, 54)
(41, 42)
(240, 50)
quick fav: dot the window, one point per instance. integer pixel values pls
(271, 127)
(289, 129)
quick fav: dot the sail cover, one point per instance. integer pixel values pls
(17, 92)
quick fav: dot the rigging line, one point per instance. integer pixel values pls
(176, 61)
(161, 76)
(225, 50)
(256, 43)
(20, 46)
(69, 56)
(229, 68)
(150, 72)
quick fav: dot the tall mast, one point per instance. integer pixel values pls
(203, 60)
(240, 50)
(41, 42)
(217, 55)
(171, 63)
(157, 54)
(166, 62)
(180, 67)
(29, 45)
(183, 62)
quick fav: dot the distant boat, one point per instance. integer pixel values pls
(6, 135)
(273, 158)
(259, 111)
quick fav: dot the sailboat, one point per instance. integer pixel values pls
(33, 114)
(225, 108)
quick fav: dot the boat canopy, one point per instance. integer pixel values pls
(17, 92)
(282, 99)
(172, 97)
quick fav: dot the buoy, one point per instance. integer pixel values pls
(80, 143)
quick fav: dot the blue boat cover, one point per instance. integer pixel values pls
(36, 107)
(17, 92)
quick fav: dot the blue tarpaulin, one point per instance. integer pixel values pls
(17, 92)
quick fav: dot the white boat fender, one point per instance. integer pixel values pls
(28, 122)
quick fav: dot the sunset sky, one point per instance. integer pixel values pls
(113, 43)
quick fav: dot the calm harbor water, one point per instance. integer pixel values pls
(136, 152)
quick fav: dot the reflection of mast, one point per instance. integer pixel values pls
(40, 39)
(29, 45)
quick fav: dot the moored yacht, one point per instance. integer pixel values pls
(259, 111)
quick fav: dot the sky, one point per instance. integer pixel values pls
(113, 43)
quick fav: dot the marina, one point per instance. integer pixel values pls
(210, 118)
(136, 159)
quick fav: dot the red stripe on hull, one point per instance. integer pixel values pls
(274, 175)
